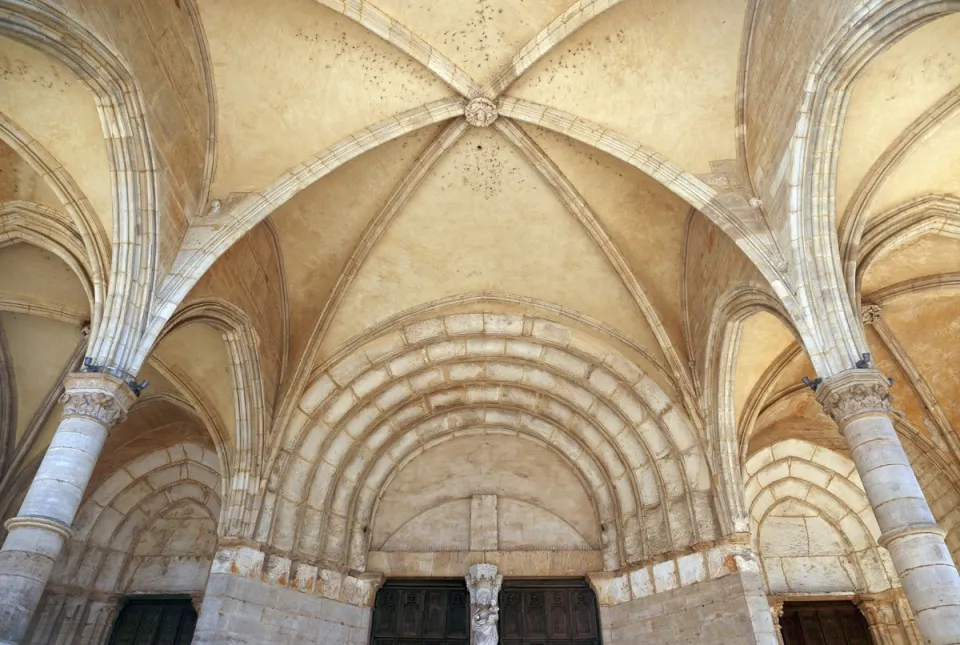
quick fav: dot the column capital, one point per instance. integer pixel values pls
(853, 393)
(98, 396)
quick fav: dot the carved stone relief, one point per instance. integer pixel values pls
(484, 584)
(98, 396)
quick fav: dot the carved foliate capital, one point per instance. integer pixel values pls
(97, 396)
(878, 609)
(854, 393)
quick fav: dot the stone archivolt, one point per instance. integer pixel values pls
(461, 371)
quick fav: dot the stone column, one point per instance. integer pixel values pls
(776, 610)
(859, 401)
(93, 403)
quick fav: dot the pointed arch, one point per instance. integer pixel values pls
(827, 483)
(210, 237)
(723, 345)
(132, 162)
(96, 246)
(730, 212)
(929, 215)
(45, 228)
(831, 328)
(243, 346)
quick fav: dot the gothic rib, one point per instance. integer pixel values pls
(928, 215)
(210, 237)
(854, 219)
(563, 26)
(395, 202)
(44, 310)
(39, 419)
(949, 280)
(757, 244)
(579, 208)
(833, 336)
(133, 177)
(917, 383)
(391, 31)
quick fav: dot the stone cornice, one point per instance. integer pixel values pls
(97, 396)
(854, 393)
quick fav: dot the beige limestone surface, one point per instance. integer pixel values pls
(364, 280)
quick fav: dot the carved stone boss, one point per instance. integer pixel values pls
(484, 583)
(480, 112)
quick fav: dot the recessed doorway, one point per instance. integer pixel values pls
(823, 623)
(160, 620)
(532, 612)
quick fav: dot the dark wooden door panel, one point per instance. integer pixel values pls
(428, 612)
(152, 621)
(835, 623)
(548, 612)
(532, 612)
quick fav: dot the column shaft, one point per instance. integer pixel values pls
(859, 401)
(93, 404)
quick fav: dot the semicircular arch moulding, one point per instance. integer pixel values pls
(394, 390)
(825, 488)
(112, 518)
(443, 439)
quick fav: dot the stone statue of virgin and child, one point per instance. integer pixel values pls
(484, 582)
(485, 619)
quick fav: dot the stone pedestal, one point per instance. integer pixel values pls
(92, 404)
(859, 401)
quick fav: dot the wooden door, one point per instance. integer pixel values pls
(426, 612)
(834, 623)
(155, 621)
(548, 612)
